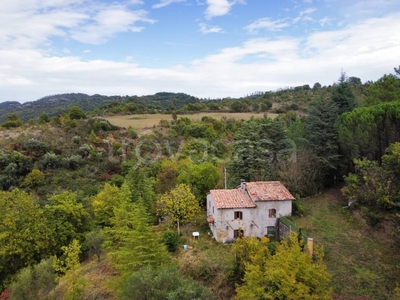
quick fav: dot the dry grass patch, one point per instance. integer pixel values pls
(148, 121)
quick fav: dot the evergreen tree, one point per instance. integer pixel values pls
(322, 135)
(343, 96)
(130, 242)
(259, 146)
(142, 187)
(397, 71)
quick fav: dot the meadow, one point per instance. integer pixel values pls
(146, 121)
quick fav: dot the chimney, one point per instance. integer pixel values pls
(242, 184)
(310, 245)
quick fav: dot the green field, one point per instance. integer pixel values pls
(146, 121)
(363, 261)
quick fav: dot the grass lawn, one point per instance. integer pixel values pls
(146, 121)
(362, 260)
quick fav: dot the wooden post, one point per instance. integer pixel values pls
(310, 245)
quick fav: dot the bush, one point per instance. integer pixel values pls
(166, 283)
(73, 162)
(84, 150)
(171, 240)
(371, 217)
(50, 160)
(298, 209)
(31, 283)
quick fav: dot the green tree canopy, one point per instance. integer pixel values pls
(104, 203)
(202, 178)
(24, 234)
(76, 113)
(385, 89)
(288, 274)
(67, 219)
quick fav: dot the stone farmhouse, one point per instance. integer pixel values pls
(252, 209)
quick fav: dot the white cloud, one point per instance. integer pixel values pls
(267, 24)
(368, 8)
(307, 11)
(163, 3)
(205, 29)
(303, 15)
(366, 50)
(81, 20)
(217, 8)
(108, 22)
(325, 21)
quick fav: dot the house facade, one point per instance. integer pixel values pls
(252, 209)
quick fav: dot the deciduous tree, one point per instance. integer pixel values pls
(24, 234)
(104, 204)
(67, 219)
(179, 204)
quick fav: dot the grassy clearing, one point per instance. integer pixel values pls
(205, 260)
(363, 261)
(147, 121)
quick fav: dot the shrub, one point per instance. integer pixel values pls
(371, 217)
(73, 162)
(31, 283)
(166, 283)
(171, 240)
(50, 160)
(84, 150)
(298, 209)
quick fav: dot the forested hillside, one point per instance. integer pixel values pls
(284, 99)
(80, 196)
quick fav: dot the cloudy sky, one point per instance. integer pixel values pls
(206, 48)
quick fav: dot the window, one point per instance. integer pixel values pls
(238, 215)
(213, 209)
(238, 233)
(272, 213)
(271, 230)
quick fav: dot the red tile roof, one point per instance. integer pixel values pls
(231, 199)
(268, 190)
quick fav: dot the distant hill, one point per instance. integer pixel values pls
(53, 105)
(58, 104)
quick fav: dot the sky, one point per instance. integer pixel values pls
(205, 48)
